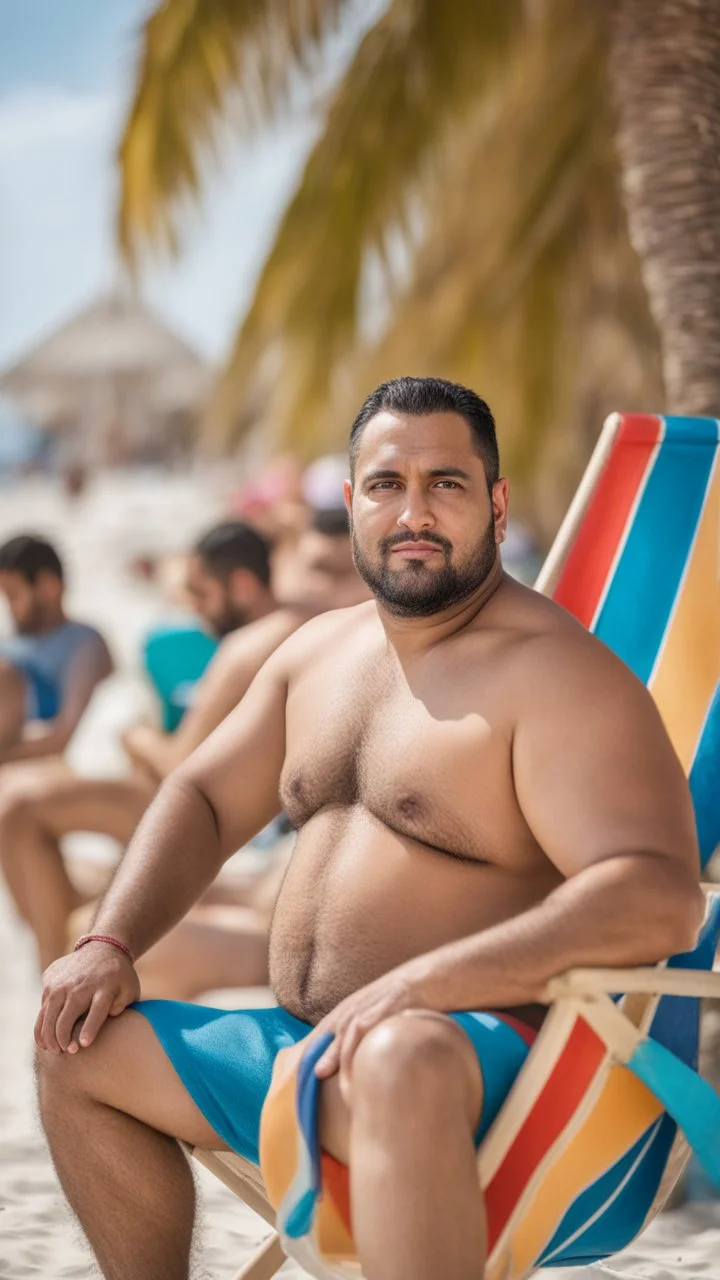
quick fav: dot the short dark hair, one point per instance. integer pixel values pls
(234, 544)
(30, 555)
(421, 396)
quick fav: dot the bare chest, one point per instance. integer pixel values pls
(432, 763)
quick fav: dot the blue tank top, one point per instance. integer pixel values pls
(45, 660)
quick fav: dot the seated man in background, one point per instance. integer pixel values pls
(229, 582)
(49, 669)
(229, 579)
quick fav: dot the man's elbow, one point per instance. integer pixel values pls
(680, 917)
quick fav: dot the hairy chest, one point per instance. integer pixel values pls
(432, 763)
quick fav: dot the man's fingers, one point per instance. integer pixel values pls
(350, 1042)
(327, 1065)
(99, 1009)
(49, 1015)
(76, 1004)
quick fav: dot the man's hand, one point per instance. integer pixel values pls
(84, 988)
(393, 993)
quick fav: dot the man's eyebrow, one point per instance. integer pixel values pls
(382, 474)
(386, 473)
(455, 472)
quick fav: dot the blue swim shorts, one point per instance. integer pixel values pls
(225, 1059)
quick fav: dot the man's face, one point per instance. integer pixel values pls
(29, 602)
(217, 602)
(425, 529)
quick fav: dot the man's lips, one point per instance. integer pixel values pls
(416, 550)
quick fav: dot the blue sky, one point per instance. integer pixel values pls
(66, 69)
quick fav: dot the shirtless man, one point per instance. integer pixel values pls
(485, 797)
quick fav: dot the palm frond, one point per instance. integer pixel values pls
(196, 55)
(526, 276)
(414, 76)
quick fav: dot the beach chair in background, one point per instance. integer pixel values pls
(175, 658)
(599, 1123)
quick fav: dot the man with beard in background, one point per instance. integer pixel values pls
(485, 796)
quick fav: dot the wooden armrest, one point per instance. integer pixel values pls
(652, 981)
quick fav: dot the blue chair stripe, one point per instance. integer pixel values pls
(624, 1215)
(635, 614)
(705, 782)
(691, 1101)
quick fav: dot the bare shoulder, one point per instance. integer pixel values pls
(356, 625)
(593, 765)
(552, 657)
(564, 663)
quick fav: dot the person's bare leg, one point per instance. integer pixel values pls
(408, 1138)
(111, 1114)
(39, 803)
(212, 947)
(12, 705)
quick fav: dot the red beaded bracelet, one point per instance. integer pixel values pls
(103, 937)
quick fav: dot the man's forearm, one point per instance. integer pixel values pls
(622, 912)
(172, 858)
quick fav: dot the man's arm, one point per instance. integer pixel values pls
(91, 664)
(209, 807)
(604, 795)
(225, 682)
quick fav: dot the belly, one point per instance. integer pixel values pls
(359, 899)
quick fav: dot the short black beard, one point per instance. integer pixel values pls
(419, 592)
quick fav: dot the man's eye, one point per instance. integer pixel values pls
(384, 484)
(447, 484)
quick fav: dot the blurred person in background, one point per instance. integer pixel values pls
(42, 801)
(229, 583)
(50, 668)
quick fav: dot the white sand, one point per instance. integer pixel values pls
(37, 1234)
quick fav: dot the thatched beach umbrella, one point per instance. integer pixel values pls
(114, 381)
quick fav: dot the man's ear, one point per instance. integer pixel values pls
(500, 505)
(347, 493)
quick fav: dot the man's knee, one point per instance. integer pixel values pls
(415, 1055)
(60, 1079)
(14, 812)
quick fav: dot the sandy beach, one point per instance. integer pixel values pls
(119, 518)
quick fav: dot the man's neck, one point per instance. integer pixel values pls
(50, 623)
(409, 636)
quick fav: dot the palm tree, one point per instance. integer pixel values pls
(466, 177)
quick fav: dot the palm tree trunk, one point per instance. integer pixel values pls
(665, 75)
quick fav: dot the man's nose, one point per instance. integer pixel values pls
(416, 514)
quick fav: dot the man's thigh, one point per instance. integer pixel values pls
(127, 1069)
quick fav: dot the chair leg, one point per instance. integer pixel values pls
(266, 1262)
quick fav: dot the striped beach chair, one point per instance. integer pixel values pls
(601, 1119)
